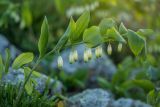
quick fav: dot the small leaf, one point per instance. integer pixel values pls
(114, 35)
(122, 29)
(153, 98)
(27, 71)
(72, 30)
(145, 32)
(36, 74)
(144, 84)
(43, 40)
(92, 37)
(104, 83)
(29, 85)
(81, 25)
(22, 59)
(68, 33)
(7, 61)
(136, 42)
(106, 24)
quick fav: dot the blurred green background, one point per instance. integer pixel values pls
(27, 15)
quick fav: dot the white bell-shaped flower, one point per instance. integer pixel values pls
(85, 56)
(71, 58)
(89, 52)
(98, 51)
(75, 55)
(60, 62)
(109, 49)
(119, 47)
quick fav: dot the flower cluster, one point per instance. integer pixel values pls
(87, 55)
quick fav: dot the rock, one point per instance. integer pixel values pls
(16, 76)
(102, 66)
(5, 44)
(101, 98)
(91, 98)
(124, 102)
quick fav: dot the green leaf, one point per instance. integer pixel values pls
(144, 84)
(106, 24)
(145, 32)
(36, 74)
(68, 33)
(27, 71)
(122, 29)
(29, 85)
(43, 40)
(72, 29)
(1, 66)
(114, 35)
(81, 25)
(153, 98)
(104, 83)
(22, 59)
(7, 61)
(79, 83)
(92, 37)
(136, 42)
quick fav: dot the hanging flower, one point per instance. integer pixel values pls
(98, 51)
(75, 55)
(119, 47)
(71, 58)
(60, 62)
(89, 52)
(109, 49)
(85, 56)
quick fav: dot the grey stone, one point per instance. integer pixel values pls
(126, 102)
(91, 98)
(101, 98)
(16, 76)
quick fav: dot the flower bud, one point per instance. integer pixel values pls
(60, 62)
(71, 58)
(89, 52)
(85, 56)
(119, 47)
(109, 49)
(98, 51)
(75, 55)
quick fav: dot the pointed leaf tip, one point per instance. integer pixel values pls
(136, 42)
(122, 29)
(81, 25)
(43, 40)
